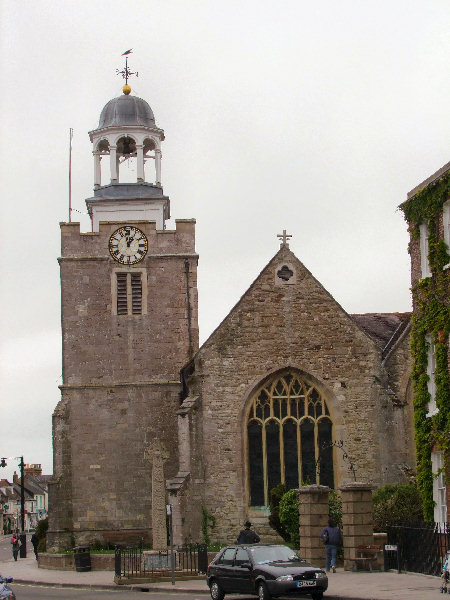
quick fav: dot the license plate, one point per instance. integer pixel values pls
(305, 583)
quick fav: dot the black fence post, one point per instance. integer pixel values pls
(118, 562)
(202, 550)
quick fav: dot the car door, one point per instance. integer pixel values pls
(242, 574)
(224, 570)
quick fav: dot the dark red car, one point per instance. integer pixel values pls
(264, 570)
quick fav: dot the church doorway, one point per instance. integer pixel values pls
(289, 436)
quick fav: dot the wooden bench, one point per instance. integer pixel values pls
(366, 556)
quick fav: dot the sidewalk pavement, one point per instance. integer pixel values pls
(343, 585)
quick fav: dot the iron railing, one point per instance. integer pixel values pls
(135, 562)
(421, 547)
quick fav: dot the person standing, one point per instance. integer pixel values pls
(15, 542)
(35, 542)
(247, 536)
(331, 537)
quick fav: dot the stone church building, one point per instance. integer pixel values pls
(289, 387)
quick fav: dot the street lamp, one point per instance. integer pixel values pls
(23, 547)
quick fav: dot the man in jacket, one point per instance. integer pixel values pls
(247, 536)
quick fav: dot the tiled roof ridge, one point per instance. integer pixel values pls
(396, 314)
(383, 328)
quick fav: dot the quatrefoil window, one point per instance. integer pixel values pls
(285, 273)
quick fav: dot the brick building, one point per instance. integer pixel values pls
(146, 416)
(427, 211)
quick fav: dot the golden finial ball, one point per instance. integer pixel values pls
(126, 89)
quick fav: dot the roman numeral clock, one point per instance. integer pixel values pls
(128, 245)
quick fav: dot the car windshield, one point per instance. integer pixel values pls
(266, 554)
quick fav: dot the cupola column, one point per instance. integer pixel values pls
(97, 170)
(140, 162)
(113, 163)
(158, 166)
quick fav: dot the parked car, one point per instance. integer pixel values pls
(264, 570)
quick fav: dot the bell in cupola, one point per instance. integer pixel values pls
(127, 147)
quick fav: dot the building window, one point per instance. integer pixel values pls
(289, 435)
(439, 491)
(431, 367)
(128, 293)
(446, 224)
(424, 263)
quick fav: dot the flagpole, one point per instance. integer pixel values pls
(70, 174)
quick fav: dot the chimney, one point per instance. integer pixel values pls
(33, 470)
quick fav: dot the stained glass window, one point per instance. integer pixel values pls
(288, 423)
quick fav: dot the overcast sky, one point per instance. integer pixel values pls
(316, 117)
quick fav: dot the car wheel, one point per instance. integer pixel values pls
(263, 592)
(216, 591)
(317, 596)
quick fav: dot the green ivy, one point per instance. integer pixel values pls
(208, 520)
(426, 205)
(431, 316)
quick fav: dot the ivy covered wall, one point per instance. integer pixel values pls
(431, 315)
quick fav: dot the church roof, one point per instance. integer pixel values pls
(126, 110)
(381, 327)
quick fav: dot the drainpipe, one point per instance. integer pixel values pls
(188, 300)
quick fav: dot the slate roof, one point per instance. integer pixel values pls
(42, 480)
(33, 486)
(126, 110)
(383, 327)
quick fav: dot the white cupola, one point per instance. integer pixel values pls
(128, 138)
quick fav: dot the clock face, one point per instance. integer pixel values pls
(128, 245)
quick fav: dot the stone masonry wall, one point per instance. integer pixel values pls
(277, 325)
(399, 415)
(121, 386)
(101, 347)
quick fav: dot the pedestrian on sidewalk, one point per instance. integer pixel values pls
(247, 536)
(35, 542)
(332, 539)
(15, 542)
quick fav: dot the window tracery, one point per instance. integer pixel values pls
(288, 429)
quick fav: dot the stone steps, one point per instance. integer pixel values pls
(260, 524)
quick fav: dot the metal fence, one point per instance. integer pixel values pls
(421, 547)
(135, 562)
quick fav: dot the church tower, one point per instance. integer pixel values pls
(129, 324)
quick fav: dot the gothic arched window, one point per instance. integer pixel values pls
(288, 423)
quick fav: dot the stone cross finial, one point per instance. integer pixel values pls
(284, 238)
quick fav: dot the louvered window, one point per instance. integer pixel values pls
(129, 293)
(122, 304)
(136, 293)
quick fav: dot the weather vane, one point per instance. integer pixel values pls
(126, 72)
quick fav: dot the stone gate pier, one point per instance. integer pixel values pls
(313, 512)
(357, 520)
